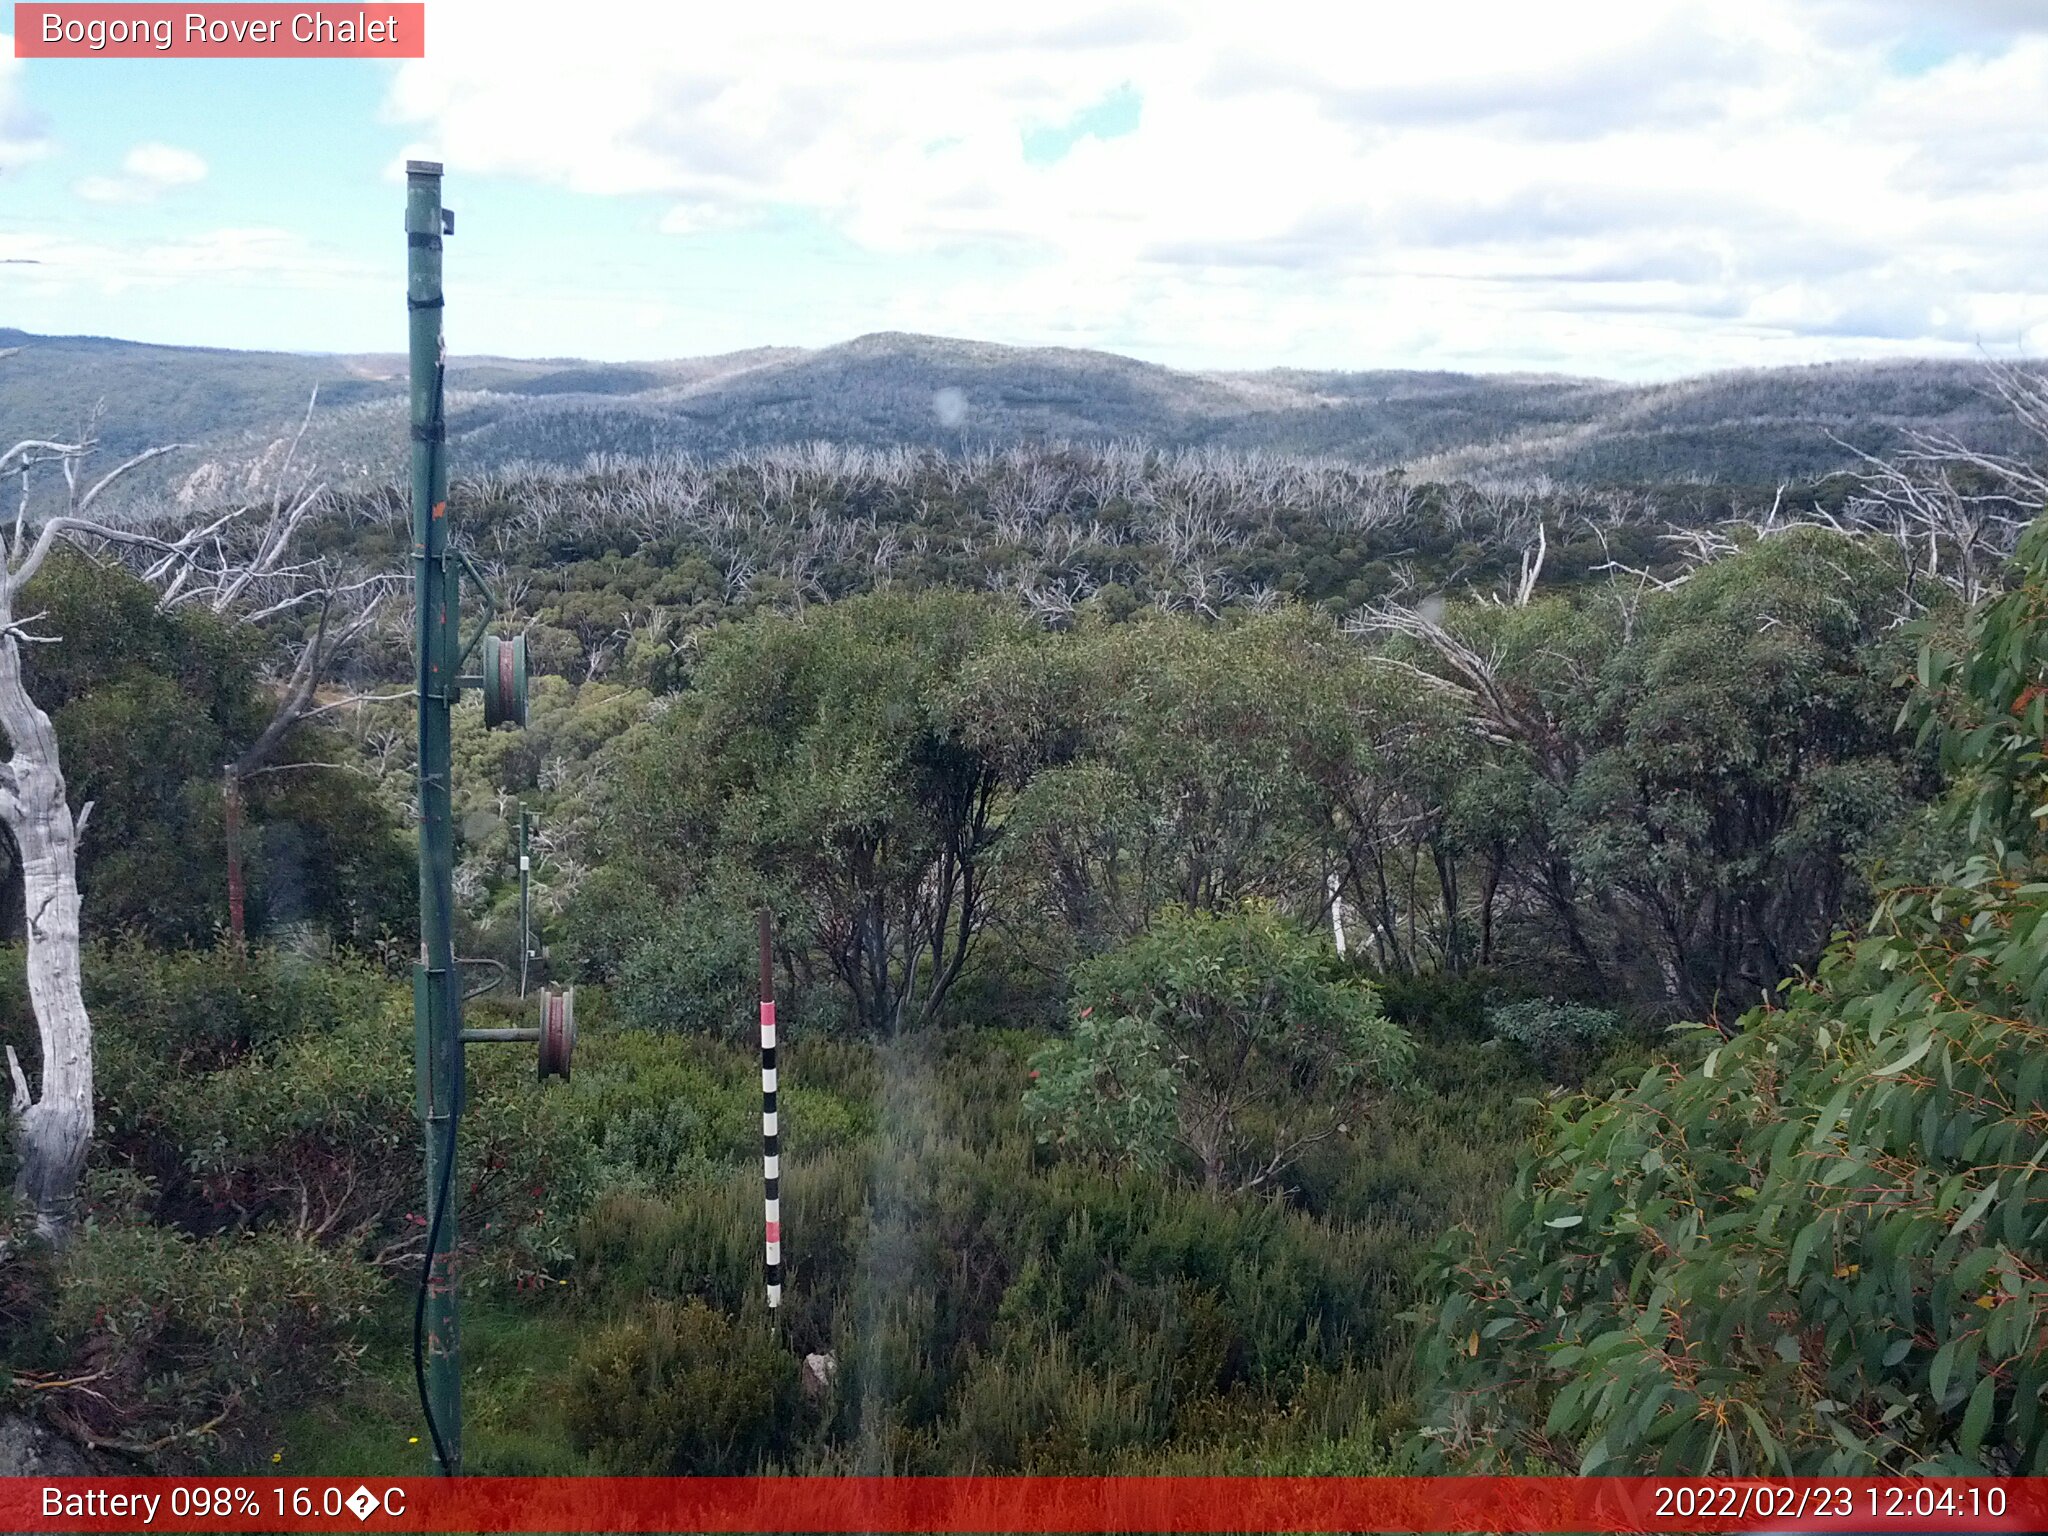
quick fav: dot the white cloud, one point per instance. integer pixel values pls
(255, 256)
(1659, 186)
(147, 170)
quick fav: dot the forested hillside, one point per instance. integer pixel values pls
(1285, 964)
(889, 391)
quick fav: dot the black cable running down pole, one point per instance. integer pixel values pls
(443, 1187)
(419, 1309)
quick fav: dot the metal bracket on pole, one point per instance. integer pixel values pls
(490, 598)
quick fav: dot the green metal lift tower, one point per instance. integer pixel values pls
(438, 1035)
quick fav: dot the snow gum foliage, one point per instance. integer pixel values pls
(1819, 1247)
(1218, 1039)
(1562, 1038)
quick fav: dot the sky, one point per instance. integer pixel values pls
(1625, 188)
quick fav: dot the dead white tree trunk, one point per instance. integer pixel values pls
(53, 1122)
(53, 1128)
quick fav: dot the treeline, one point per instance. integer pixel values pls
(617, 565)
(1667, 803)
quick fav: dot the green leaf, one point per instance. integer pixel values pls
(1938, 1372)
(1832, 1114)
(1905, 1061)
(1772, 1448)
(1971, 1271)
(1977, 1417)
(1977, 1207)
(1564, 1409)
(1802, 1250)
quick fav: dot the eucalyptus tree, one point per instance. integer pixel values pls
(247, 563)
(1197, 772)
(1680, 792)
(1743, 767)
(1814, 1247)
(1218, 1040)
(823, 762)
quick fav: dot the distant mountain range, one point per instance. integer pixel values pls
(1750, 427)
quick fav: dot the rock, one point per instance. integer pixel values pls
(817, 1375)
(27, 1449)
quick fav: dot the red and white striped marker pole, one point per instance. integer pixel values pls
(771, 1130)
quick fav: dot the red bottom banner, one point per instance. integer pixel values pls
(1848, 1506)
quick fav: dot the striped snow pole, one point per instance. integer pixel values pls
(771, 1131)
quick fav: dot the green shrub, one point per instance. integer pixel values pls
(171, 1338)
(1438, 1005)
(1214, 1041)
(161, 1013)
(664, 1110)
(694, 974)
(255, 1187)
(615, 912)
(271, 1092)
(1427, 1160)
(682, 1389)
(993, 1309)
(1564, 1040)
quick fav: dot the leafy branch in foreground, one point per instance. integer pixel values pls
(1819, 1249)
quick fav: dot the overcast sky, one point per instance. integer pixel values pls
(1635, 189)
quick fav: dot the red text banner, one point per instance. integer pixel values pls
(1025, 1504)
(231, 31)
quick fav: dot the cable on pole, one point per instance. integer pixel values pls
(419, 1307)
(433, 440)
